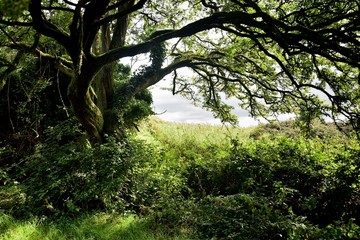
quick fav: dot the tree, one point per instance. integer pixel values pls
(274, 56)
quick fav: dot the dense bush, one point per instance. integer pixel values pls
(275, 187)
(153, 184)
(293, 175)
(65, 175)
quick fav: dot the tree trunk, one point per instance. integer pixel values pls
(89, 115)
(91, 93)
(103, 85)
(103, 82)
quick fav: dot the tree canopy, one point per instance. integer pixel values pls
(274, 56)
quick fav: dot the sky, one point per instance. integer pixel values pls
(175, 108)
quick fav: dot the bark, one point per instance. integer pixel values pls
(81, 97)
(103, 82)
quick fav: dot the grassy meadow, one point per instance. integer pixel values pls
(191, 181)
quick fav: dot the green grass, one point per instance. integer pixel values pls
(181, 134)
(90, 227)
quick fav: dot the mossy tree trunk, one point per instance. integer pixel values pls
(103, 83)
(91, 92)
(81, 97)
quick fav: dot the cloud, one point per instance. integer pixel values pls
(175, 108)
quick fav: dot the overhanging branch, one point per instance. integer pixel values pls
(134, 86)
(45, 27)
(122, 13)
(214, 21)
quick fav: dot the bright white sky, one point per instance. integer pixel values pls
(175, 108)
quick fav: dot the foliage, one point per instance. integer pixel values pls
(13, 8)
(66, 176)
(139, 108)
(21, 104)
(272, 188)
(40, 137)
(131, 111)
(26, 110)
(239, 216)
(274, 57)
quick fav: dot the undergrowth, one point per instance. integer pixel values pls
(258, 184)
(190, 181)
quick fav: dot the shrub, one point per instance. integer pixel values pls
(239, 216)
(155, 181)
(65, 175)
(310, 179)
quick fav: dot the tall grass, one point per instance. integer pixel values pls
(90, 227)
(183, 134)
